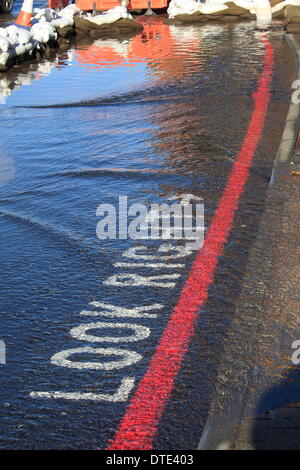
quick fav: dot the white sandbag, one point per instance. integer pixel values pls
(30, 46)
(263, 13)
(16, 41)
(43, 31)
(4, 56)
(24, 36)
(58, 20)
(285, 3)
(212, 8)
(48, 13)
(12, 33)
(246, 4)
(279, 6)
(4, 44)
(187, 5)
(51, 15)
(182, 7)
(66, 16)
(62, 22)
(190, 7)
(69, 11)
(20, 49)
(172, 10)
(110, 16)
(3, 33)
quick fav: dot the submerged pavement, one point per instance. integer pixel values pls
(278, 428)
(270, 306)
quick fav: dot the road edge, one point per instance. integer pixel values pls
(283, 163)
(220, 437)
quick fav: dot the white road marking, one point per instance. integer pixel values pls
(79, 332)
(134, 280)
(121, 395)
(129, 357)
(125, 357)
(185, 198)
(149, 265)
(179, 252)
(114, 311)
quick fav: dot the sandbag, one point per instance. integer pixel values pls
(110, 16)
(213, 8)
(273, 3)
(83, 24)
(292, 12)
(124, 24)
(195, 18)
(231, 19)
(296, 19)
(233, 9)
(278, 14)
(66, 32)
(293, 28)
(129, 24)
(104, 33)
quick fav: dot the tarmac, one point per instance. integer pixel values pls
(272, 282)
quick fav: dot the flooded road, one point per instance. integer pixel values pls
(151, 118)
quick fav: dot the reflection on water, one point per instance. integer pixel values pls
(7, 169)
(154, 47)
(158, 115)
(13, 79)
(156, 53)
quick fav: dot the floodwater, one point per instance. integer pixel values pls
(152, 118)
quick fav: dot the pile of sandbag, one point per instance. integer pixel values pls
(64, 18)
(113, 23)
(15, 42)
(292, 16)
(62, 22)
(190, 11)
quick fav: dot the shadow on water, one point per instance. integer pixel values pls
(277, 421)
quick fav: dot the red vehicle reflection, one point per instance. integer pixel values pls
(154, 46)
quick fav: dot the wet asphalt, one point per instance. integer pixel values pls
(151, 118)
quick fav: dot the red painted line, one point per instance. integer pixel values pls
(139, 425)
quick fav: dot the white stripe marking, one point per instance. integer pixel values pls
(79, 332)
(179, 252)
(149, 265)
(133, 280)
(114, 311)
(121, 395)
(128, 358)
